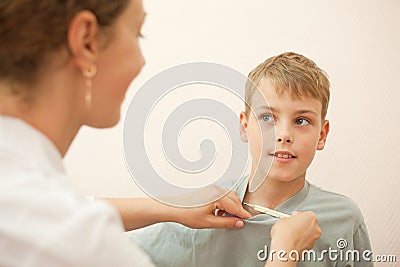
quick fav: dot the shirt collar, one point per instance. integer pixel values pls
(288, 206)
(27, 145)
(292, 203)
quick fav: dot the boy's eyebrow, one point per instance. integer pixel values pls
(306, 111)
(300, 111)
(267, 108)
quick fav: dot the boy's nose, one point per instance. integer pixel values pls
(285, 139)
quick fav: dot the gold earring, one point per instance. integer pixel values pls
(89, 75)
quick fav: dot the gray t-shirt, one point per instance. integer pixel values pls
(341, 222)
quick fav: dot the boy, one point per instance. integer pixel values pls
(297, 91)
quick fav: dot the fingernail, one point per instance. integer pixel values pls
(239, 224)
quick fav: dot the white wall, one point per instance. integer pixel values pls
(356, 42)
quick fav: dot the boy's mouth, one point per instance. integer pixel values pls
(283, 155)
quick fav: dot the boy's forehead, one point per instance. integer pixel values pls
(258, 98)
(266, 97)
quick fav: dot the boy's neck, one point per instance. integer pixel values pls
(273, 193)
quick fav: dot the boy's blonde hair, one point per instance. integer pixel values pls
(295, 73)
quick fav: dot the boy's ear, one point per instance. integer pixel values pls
(322, 135)
(243, 127)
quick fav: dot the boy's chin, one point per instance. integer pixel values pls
(284, 178)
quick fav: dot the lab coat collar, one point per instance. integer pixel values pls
(30, 147)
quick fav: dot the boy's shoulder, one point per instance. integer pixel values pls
(330, 204)
(320, 192)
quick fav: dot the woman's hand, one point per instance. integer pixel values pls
(141, 212)
(209, 216)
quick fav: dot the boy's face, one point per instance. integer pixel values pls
(299, 132)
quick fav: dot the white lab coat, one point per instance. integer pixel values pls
(43, 220)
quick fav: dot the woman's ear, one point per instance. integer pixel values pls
(243, 127)
(322, 135)
(82, 39)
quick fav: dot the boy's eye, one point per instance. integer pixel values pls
(302, 122)
(268, 118)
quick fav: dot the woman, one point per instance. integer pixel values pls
(65, 64)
